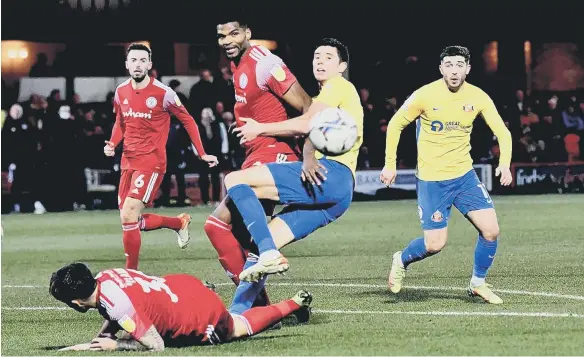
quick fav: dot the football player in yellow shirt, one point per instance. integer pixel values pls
(444, 111)
(309, 206)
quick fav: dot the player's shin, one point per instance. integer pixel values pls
(150, 221)
(485, 251)
(415, 251)
(228, 249)
(253, 215)
(247, 292)
(132, 242)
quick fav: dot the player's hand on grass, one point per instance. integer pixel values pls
(79, 347)
(249, 131)
(505, 174)
(103, 344)
(211, 160)
(109, 149)
(313, 171)
(388, 176)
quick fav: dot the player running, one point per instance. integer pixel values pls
(261, 81)
(143, 105)
(309, 206)
(153, 313)
(446, 109)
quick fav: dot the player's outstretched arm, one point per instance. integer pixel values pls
(173, 104)
(495, 122)
(293, 127)
(408, 112)
(150, 341)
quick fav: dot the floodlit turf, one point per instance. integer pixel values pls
(345, 266)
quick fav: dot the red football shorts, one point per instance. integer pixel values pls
(140, 185)
(260, 158)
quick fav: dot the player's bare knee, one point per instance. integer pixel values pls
(435, 240)
(233, 179)
(222, 212)
(131, 211)
(491, 233)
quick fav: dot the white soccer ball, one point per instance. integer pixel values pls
(333, 131)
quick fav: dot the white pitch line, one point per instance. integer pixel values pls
(372, 312)
(379, 286)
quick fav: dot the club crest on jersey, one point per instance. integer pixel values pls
(243, 81)
(468, 108)
(151, 102)
(437, 217)
(278, 73)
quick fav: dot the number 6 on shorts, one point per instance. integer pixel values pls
(140, 185)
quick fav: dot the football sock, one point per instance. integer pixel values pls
(260, 318)
(253, 215)
(151, 221)
(228, 249)
(246, 292)
(483, 259)
(415, 251)
(132, 243)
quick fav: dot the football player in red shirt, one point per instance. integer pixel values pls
(153, 313)
(262, 82)
(143, 106)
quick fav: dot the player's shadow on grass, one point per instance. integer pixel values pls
(415, 295)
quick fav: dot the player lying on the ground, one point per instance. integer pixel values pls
(262, 84)
(309, 206)
(445, 110)
(143, 106)
(151, 312)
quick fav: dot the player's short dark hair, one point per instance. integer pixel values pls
(71, 282)
(455, 51)
(236, 15)
(342, 50)
(139, 47)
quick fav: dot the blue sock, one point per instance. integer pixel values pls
(253, 214)
(415, 251)
(484, 255)
(246, 293)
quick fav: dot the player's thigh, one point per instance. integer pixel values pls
(472, 195)
(259, 178)
(485, 221)
(302, 220)
(435, 200)
(144, 185)
(124, 186)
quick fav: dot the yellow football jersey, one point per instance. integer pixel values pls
(444, 123)
(340, 93)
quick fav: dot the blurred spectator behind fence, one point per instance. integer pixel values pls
(178, 155)
(204, 93)
(214, 136)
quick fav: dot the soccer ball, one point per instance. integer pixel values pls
(333, 131)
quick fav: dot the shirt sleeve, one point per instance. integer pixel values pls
(497, 125)
(173, 105)
(272, 73)
(409, 111)
(120, 309)
(118, 129)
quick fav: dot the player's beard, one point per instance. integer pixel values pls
(139, 78)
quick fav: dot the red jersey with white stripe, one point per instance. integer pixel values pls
(143, 121)
(179, 306)
(260, 80)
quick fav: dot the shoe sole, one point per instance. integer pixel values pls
(257, 273)
(472, 294)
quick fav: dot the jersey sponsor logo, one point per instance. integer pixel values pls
(436, 125)
(243, 81)
(127, 323)
(177, 101)
(278, 73)
(468, 108)
(240, 99)
(437, 217)
(151, 102)
(133, 114)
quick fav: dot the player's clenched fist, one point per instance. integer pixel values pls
(210, 159)
(388, 176)
(109, 149)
